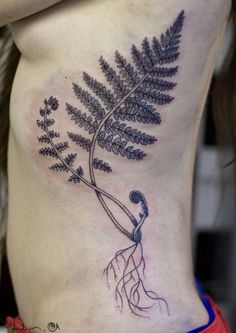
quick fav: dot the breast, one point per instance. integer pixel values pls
(37, 35)
(72, 25)
(78, 25)
(58, 30)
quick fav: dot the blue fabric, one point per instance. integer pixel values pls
(208, 308)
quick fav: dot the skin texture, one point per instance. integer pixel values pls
(58, 235)
(14, 10)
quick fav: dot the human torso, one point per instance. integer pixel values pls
(59, 236)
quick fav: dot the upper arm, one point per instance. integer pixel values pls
(14, 10)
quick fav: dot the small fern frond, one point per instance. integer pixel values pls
(101, 165)
(153, 96)
(44, 111)
(137, 110)
(115, 81)
(46, 138)
(167, 50)
(90, 102)
(43, 125)
(52, 102)
(76, 178)
(43, 139)
(128, 133)
(80, 140)
(48, 151)
(49, 105)
(140, 60)
(158, 84)
(148, 52)
(61, 146)
(163, 72)
(82, 119)
(157, 49)
(59, 167)
(70, 159)
(101, 91)
(53, 134)
(119, 147)
(127, 71)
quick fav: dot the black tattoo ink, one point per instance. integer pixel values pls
(52, 327)
(17, 325)
(135, 89)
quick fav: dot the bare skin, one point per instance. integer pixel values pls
(14, 10)
(58, 238)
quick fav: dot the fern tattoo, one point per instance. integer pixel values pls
(133, 93)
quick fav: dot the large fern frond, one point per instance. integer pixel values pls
(136, 90)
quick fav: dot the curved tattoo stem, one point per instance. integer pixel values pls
(97, 190)
(91, 158)
(92, 151)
